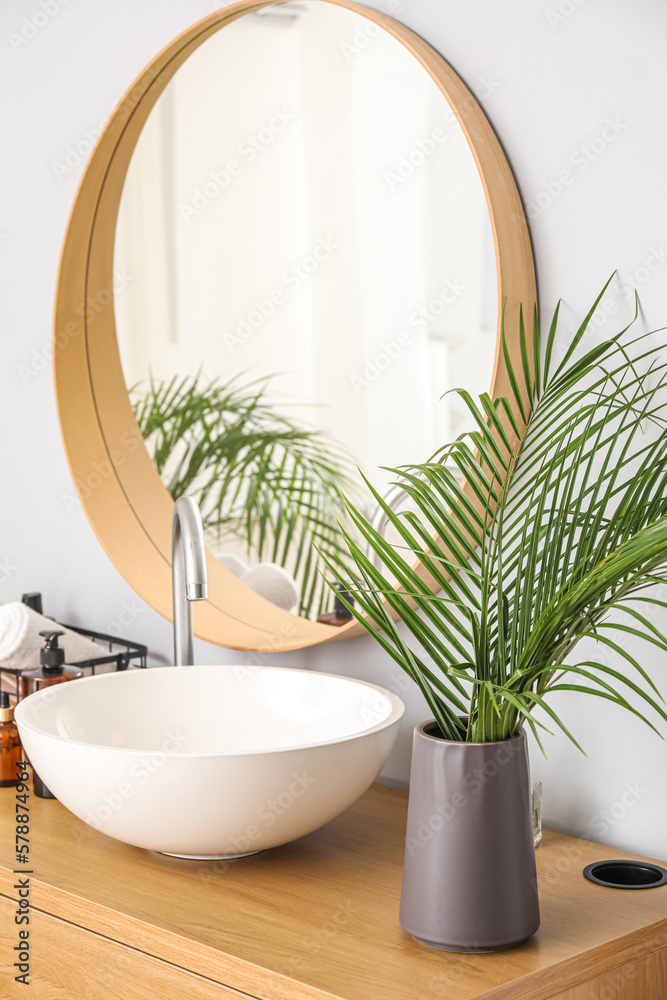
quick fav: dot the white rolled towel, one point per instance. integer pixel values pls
(273, 583)
(270, 581)
(20, 641)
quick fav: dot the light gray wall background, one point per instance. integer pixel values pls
(569, 86)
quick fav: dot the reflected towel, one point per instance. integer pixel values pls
(270, 581)
(274, 584)
(20, 641)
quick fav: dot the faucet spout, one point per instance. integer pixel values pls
(188, 574)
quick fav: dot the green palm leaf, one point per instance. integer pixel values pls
(256, 474)
(561, 523)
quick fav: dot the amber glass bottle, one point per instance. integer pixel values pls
(52, 671)
(10, 743)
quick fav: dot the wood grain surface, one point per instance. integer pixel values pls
(318, 918)
(70, 963)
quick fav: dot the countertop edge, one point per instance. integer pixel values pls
(158, 942)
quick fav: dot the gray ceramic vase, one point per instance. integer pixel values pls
(469, 881)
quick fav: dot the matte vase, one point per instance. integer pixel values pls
(469, 881)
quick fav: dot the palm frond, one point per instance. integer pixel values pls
(256, 473)
(561, 523)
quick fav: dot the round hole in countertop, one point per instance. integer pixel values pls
(622, 874)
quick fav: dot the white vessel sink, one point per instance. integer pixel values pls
(209, 761)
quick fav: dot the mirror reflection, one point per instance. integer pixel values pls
(310, 267)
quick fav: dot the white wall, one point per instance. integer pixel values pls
(550, 86)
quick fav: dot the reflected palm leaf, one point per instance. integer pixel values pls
(257, 474)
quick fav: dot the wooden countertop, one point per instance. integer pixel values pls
(318, 918)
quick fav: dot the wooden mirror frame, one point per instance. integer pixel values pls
(120, 490)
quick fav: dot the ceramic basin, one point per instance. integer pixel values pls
(209, 761)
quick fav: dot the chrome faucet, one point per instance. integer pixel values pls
(188, 574)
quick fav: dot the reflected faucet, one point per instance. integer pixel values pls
(188, 574)
(394, 496)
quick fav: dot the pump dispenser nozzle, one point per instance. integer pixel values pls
(52, 655)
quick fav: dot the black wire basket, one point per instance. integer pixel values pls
(129, 653)
(119, 653)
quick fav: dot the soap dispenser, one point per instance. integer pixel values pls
(341, 614)
(10, 743)
(52, 671)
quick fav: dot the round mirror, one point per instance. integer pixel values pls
(312, 267)
(308, 226)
